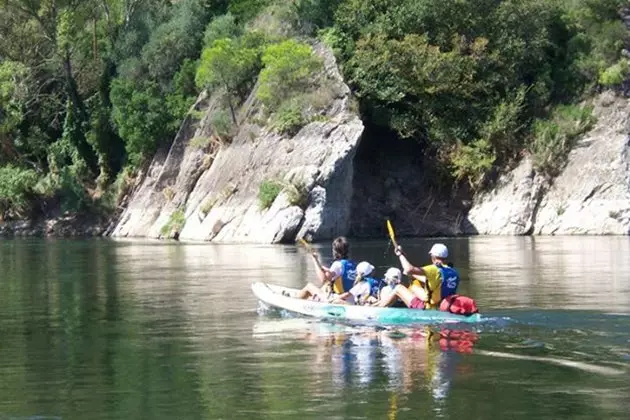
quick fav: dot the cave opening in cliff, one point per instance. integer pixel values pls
(395, 179)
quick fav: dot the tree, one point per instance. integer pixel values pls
(288, 68)
(228, 65)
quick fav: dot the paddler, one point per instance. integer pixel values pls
(431, 283)
(365, 286)
(389, 295)
(336, 279)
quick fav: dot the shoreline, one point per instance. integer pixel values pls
(84, 226)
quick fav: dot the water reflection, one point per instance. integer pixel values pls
(588, 273)
(408, 359)
(143, 329)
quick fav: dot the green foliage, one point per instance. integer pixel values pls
(288, 69)
(615, 74)
(200, 142)
(245, 10)
(13, 95)
(87, 91)
(268, 190)
(317, 14)
(175, 224)
(473, 161)
(221, 27)
(554, 137)
(297, 194)
(289, 118)
(278, 21)
(207, 206)
(466, 79)
(176, 40)
(229, 65)
(141, 118)
(221, 124)
(332, 38)
(16, 190)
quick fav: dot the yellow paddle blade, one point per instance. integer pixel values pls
(305, 244)
(392, 236)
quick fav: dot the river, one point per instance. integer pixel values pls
(105, 329)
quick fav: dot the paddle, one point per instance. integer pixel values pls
(311, 251)
(392, 235)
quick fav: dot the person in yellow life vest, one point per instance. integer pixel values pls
(431, 283)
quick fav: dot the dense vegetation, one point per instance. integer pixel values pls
(90, 88)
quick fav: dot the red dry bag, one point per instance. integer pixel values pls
(461, 305)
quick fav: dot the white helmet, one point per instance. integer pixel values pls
(364, 268)
(439, 251)
(393, 276)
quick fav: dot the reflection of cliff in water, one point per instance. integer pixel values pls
(551, 272)
(204, 280)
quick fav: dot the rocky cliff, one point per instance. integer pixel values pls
(211, 192)
(590, 196)
(335, 179)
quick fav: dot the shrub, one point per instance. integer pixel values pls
(288, 68)
(200, 142)
(289, 118)
(168, 193)
(221, 124)
(553, 138)
(207, 206)
(267, 193)
(16, 190)
(221, 27)
(472, 162)
(297, 194)
(227, 64)
(175, 223)
(615, 74)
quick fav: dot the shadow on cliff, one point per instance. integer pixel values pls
(394, 179)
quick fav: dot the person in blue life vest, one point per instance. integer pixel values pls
(336, 279)
(431, 283)
(365, 286)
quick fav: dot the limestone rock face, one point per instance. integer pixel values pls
(590, 196)
(212, 192)
(510, 207)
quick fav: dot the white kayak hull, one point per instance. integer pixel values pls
(271, 295)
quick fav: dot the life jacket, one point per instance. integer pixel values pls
(348, 276)
(457, 304)
(375, 285)
(450, 281)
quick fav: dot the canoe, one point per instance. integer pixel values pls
(271, 295)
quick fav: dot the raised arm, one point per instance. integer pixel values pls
(408, 268)
(323, 274)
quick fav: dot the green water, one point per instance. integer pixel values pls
(106, 329)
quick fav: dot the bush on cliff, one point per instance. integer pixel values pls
(555, 136)
(17, 187)
(268, 191)
(288, 70)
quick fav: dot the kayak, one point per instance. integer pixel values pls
(272, 295)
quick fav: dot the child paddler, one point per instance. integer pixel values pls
(336, 279)
(388, 295)
(365, 286)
